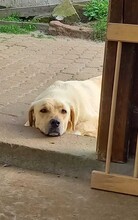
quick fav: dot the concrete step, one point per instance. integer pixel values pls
(69, 155)
(26, 147)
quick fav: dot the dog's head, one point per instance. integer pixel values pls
(52, 117)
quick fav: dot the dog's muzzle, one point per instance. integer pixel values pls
(54, 129)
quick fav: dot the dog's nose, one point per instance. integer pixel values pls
(55, 123)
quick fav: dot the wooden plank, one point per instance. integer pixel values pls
(122, 32)
(113, 107)
(114, 183)
(115, 15)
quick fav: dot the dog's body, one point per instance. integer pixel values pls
(68, 106)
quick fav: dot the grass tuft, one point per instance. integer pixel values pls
(99, 29)
(16, 29)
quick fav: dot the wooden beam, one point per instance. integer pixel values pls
(113, 107)
(122, 32)
(114, 183)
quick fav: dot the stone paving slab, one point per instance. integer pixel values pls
(27, 66)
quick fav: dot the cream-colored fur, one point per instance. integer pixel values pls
(79, 99)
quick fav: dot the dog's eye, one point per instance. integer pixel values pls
(63, 111)
(44, 110)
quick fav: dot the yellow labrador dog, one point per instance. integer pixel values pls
(71, 106)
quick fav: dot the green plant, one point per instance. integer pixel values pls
(29, 27)
(13, 17)
(14, 29)
(96, 9)
(99, 29)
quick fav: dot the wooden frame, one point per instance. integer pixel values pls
(105, 180)
(124, 140)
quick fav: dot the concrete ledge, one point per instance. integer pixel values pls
(27, 148)
(34, 10)
(68, 155)
(27, 11)
(49, 161)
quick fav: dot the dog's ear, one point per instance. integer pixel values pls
(72, 121)
(31, 116)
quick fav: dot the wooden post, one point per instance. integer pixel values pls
(134, 108)
(115, 15)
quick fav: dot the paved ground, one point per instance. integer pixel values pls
(28, 65)
(28, 195)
